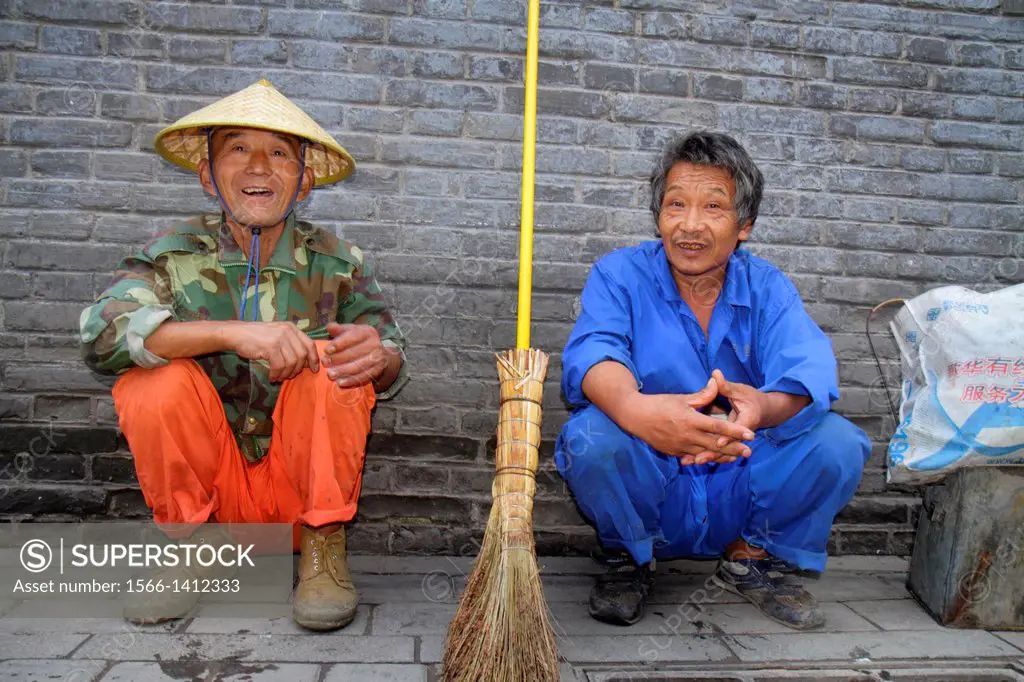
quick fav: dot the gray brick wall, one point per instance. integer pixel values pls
(890, 135)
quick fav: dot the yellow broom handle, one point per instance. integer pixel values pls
(529, 161)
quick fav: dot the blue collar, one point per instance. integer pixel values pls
(736, 291)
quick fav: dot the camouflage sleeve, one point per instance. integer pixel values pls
(367, 305)
(113, 330)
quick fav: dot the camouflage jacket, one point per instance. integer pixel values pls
(196, 271)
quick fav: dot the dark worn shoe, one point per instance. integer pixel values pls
(769, 585)
(618, 596)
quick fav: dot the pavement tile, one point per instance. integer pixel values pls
(857, 587)
(745, 619)
(436, 588)
(48, 671)
(412, 619)
(262, 619)
(893, 614)
(1014, 638)
(863, 646)
(409, 565)
(376, 673)
(690, 590)
(49, 616)
(55, 646)
(638, 649)
(306, 648)
(862, 563)
(6, 605)
(176, 671)
(567, 588)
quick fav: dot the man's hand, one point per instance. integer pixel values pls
(287, 349)
(672, 424)
(355, 355)
(748, 404)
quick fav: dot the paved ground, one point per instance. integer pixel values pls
(876, 631)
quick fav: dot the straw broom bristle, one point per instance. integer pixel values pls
(501, 631)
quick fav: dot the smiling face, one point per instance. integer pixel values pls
(257, 172)
(698, 223)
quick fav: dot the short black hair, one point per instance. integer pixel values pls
(720, 151)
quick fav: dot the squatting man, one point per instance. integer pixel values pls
(701, 392)
(250, 348)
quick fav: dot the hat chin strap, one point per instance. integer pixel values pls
(254, 246)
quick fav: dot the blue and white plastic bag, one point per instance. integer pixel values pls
(962, 356)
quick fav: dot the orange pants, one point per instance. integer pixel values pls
(191, 470)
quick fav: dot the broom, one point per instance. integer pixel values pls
(501, 631)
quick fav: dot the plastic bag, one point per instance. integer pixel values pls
(962, 357)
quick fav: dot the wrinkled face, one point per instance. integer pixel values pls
(257, 172)
(698, 223)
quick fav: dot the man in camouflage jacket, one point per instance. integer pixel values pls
(247, 399)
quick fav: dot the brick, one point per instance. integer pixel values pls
(979, 81)
(719, 30)
(64, 499)
(14, 285)
(828, 40)
(135, 45)
(783, 36)
(492, 68)
(412, 93)
(929, 50)
(375, 119)
(873, 100)
(93, 11)
(823, 96)
(1011, 111)
(197, 50)
(978, 54)
(66, 195)
(1011, 165)
(969, 161)
(602, 134)
(609, 78)
(124, 166)
(17, 35)
(974, 108)
(922, 158)
(665, 110)
(740, 118)
(608, 20)
(868, 210)
(66, 40)
(439, 34)
(130, 107)
(969, 242)
(768, 90)
(563, 44)
(80, 100)
(498, 11)
(874, 44)
(200, 18)
(665, 81)
(79, 257)
(877, 237)
(64, 70)
(13, 163)
(924, 104)
(444, 9)
(977, 135)
(560, 16)
(15, 99)
(664, 25)
(466, 154)
(61, 164)
(40, 316)
(259, 52)
(873, 72)
(710, 86)
(14, 406)
(63, 287)
(63, 408)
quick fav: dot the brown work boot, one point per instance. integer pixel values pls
(164, 594)
(325, 598)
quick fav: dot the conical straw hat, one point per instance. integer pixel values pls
(258, 106)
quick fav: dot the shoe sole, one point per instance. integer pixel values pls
(731, 588)
(324, 625)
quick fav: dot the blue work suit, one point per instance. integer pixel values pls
(801, 473)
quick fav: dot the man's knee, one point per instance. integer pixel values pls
(591, 439)
(840, 448)
(145, 391)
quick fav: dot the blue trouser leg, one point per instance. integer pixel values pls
(620, 482)
(784, 498)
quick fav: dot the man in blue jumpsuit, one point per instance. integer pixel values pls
(701, 393)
